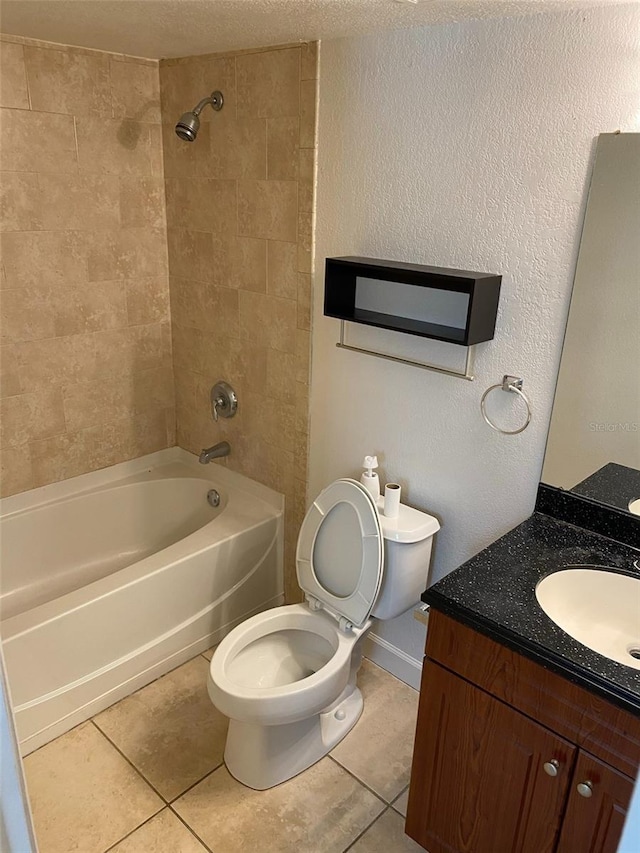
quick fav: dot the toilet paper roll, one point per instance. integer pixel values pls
(392, 500)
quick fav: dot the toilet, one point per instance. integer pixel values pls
(286, 678)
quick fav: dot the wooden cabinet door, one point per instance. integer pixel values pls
(478, 784)
(594, 824)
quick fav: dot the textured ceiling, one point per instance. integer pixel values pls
(163, 28)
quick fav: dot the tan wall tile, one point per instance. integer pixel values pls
(240, 262)
(79, 202)
(84, 272)
(282, 269)
(238, 148)
(244, 363)
(309, 60)
(187, 159)
(10, 383)
(71, 454)
(56, 361)
(304, 301)
(308, 90)
(54, 258)
(280, 382)
(269, 83)
(303, 356)
(282, 148)
(204, 204)
(27, 314)
(129, 253)
(147, 300)
(90, 308)
(268, 321)
(128, 350)
(190, 253)
(92, 404)
(305, 193)
(62, 81)
(185, 84)
(15, 470)
(135, 91)
(268, 209)
(113, 146)
(31, 416)
(42, 141)
(19, 201)
(141, 202)
(13, 77)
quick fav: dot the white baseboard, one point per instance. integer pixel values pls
(394, 660)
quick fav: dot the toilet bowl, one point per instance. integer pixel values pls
(286, 678)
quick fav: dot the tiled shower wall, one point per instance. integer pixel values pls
(85, 359)
(239, 219)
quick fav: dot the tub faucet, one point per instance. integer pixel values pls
(222, 448)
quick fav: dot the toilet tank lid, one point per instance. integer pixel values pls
(411, 525)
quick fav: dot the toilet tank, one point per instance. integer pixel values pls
(407, 553)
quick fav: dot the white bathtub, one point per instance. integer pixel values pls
(113, 578)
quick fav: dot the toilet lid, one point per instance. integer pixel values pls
(340, 551)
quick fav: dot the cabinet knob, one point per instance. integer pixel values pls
(551, 767)
(585, 789)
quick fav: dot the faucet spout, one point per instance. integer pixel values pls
(222, 448)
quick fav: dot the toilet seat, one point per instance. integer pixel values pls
(339, 557)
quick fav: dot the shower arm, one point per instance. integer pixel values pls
(213, 99)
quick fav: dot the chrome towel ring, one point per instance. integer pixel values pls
(509, 383)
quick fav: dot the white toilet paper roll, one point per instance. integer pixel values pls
(392, 500)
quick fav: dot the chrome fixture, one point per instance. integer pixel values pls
(222, 448)
(213, 497)
(189, 123)
(585, 789)
(551, 767)
(513, 384)
(224, 400)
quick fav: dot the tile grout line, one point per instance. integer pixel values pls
(144, 823)
(192, 831)
(130, 763)
(360, 782)
(365, 830)
(195, 784)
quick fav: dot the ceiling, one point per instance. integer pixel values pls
(164, 28)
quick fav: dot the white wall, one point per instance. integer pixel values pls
(464, 146)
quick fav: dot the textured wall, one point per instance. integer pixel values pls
(239, 219)
(86, 361)
(466, 146)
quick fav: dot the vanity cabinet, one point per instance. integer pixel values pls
(511, 758)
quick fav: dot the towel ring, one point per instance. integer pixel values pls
(509, 383)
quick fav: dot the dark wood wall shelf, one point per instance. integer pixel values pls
(388, 294)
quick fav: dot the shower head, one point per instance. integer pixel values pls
(189, 123)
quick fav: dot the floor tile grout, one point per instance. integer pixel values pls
(130, 763)
(364, 784)
(191, 830)
(195, 784)
(366, 829)
(135, 829)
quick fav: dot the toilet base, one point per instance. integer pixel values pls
(263, 756)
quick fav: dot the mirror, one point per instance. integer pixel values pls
(593, 448)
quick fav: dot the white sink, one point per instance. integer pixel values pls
(600, 609)
(634, 506)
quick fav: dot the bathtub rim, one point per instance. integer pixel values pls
(199, 541)
(106, 477)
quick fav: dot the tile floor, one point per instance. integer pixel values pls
(146, 776)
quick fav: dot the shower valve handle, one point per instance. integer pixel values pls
(224, 401)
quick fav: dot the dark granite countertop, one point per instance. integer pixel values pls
(494, 592)
(615, 485)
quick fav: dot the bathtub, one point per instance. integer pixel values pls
(111, 579)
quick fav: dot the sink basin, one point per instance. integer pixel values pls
(599, 608)
(634, 506)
